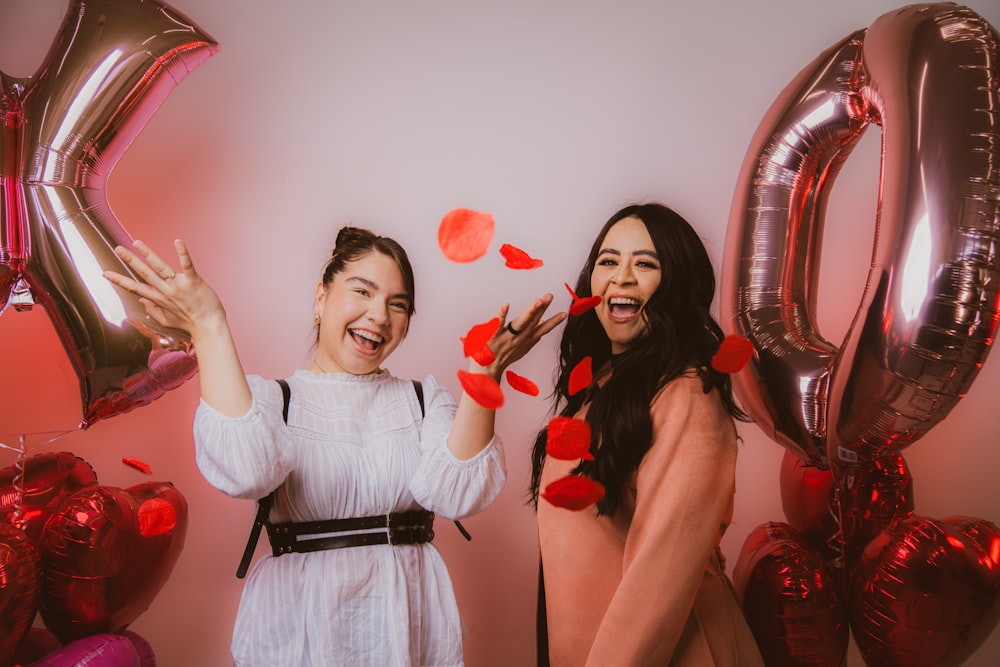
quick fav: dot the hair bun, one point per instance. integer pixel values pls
(351, 236)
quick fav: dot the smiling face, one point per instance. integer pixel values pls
(626, 275)
(364, 314)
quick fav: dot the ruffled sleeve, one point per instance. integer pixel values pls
(443, 484)
(244, 456)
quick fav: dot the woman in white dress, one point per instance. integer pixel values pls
(347, 451)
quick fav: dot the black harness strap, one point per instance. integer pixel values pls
(264, 504)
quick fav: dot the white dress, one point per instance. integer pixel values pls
(354, 446)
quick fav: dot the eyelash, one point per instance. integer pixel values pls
(644, 263)
(401, 306)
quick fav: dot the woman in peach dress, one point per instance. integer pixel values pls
(639, 579)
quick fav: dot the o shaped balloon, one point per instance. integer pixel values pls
(61, 133)
(930, 76)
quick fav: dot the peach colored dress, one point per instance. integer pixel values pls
(648, 585)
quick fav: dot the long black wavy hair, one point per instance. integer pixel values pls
(681, 334)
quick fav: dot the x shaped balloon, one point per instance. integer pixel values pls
(63, 130)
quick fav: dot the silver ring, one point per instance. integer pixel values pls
(171, 276)
(512, 330)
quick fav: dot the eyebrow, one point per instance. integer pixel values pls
(375, 287)
(613, 251)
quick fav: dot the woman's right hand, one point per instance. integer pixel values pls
(180, 300)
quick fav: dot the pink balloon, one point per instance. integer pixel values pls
(102, 650)
(927, 74)
(790, 599)
(20, 585)
(923, 595)
(106, 554)
(64, 129)
(47, 480)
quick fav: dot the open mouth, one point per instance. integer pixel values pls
(366, 339)
(622, 309)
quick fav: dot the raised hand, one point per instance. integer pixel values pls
(179, 299)
(515, 339)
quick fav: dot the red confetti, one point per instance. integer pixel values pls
(580, 306)
(580, 377)
(518, 259)
(484, 356)
(573, 492)
(733, 354)
(479, 335)
(522, 384)
(138, 465)
(482, 389)
(568, 439)
(464, 235)
(156, 516)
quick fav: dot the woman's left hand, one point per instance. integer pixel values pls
(516, 337)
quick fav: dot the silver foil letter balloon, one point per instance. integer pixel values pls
(63, 130)
(930, 76)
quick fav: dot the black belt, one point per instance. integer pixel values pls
(413, 527)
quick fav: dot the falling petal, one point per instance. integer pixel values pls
(464, 235)
(156, 516)
(568, 438)
(482, 389)
(733, 354)
(138, 465)
(517, 258)
(479, 335)
(581, 376)
(521, 384)
(580, 306)
(484, 356)
(573, 492)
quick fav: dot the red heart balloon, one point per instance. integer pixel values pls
(872, 496)
(790, 599)
(924, 594)
(20, 581)
(106, 554)
(48, 479)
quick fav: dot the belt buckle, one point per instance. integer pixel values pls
(408, 528)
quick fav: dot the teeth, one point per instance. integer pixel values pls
(623, 301)
(367, 334)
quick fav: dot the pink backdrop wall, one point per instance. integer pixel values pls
(550, 115)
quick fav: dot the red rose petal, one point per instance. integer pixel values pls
(518, 259)
(581, 376)
(573, 492)
(580, 306)
(521, 384)
(156, 516)
(479, 335)
(138, 465)
(464, 235)
(733, 354)
(484, 356)
(482, 389)
(568, 439)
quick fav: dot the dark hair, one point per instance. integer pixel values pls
(354, 243)
(681, 334)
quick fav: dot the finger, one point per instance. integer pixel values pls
(548, 325)
(184, 257)
(160, 268)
